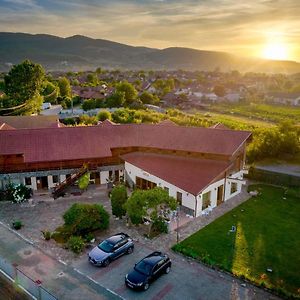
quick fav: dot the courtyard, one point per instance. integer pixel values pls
(187, 280)
(258, 240)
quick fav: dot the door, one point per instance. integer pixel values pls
(220, 194)
(42, 182)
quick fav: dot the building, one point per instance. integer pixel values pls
(201, 167)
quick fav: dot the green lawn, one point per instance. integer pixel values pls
(267, 236)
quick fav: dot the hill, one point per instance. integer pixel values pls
(82, 53)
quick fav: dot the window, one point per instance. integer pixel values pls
(27, 181)
(206, 200)
(55, 178)
(233, 187)
(166, 189)
(179, 198)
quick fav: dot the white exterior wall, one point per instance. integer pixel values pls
(188, 200)
(213, 188)
(104, 175)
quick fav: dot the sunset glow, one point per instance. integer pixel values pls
(275, 51)
(260, 28)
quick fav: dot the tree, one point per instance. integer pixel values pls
(92, 79)
(24, 82)
(148, 98)
(89, 104)
(118, 200)
(82, 218)
(130, 93)
(219, 90)
(153, 204)
(50, 92)
(116, 100)
(104, 115)
(64, 87)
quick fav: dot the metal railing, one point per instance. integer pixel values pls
(33, 288)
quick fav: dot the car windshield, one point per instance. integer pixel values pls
(143, 267)
(105, 246)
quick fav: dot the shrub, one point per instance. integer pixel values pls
(83, 218)
(17, 193)
(47, 235)
(62, 234)
(89, 237)
(118, 199)
(159, 225)
(76, 244)
(104, 115)
(84, 181)
(17, 224)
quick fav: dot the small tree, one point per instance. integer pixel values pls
(118, 200)
(104, 115)
(128, 89)
(153, 204)
(82, 218)
(64, 87)
(83, 181)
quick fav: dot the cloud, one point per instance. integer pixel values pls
(234, 26)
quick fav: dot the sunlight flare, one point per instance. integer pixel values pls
(276, 51)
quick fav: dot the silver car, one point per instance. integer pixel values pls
(110, 249)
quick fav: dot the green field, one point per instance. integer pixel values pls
(267, 237)
(263, 112)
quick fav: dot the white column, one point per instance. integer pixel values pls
(33, 183)
(62, 178)
(104, 176)
(50, 182)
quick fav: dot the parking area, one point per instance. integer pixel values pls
(187, 279)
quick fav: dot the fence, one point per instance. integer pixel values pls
(273, 177)
(32, 287)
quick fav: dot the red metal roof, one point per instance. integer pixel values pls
(189, 174)
(67, 143)
(21, 122)
(5, 126)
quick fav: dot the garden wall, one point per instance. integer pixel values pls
(273, 177)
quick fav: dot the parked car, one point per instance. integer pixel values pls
(147, 270)
(110, 249)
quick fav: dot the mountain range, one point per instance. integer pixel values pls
(84, 53)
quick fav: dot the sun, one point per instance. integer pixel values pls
(275, 51)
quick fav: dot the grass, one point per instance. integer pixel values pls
(264, 112)
(267, 236)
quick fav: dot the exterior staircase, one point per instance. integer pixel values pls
(60, 189)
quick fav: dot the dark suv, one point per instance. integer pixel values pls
(147, 270)
(110, 249)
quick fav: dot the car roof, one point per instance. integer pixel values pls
(154, 258)
(116, 238)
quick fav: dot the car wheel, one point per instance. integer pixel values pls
(146, 286)
(167, 270)
(129, 250)
(106, 263)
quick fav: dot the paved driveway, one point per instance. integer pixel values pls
(187, 279)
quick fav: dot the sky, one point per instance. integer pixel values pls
(260, 28)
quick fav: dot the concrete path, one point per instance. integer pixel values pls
(62, 281)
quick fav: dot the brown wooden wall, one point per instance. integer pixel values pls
(15, 163)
